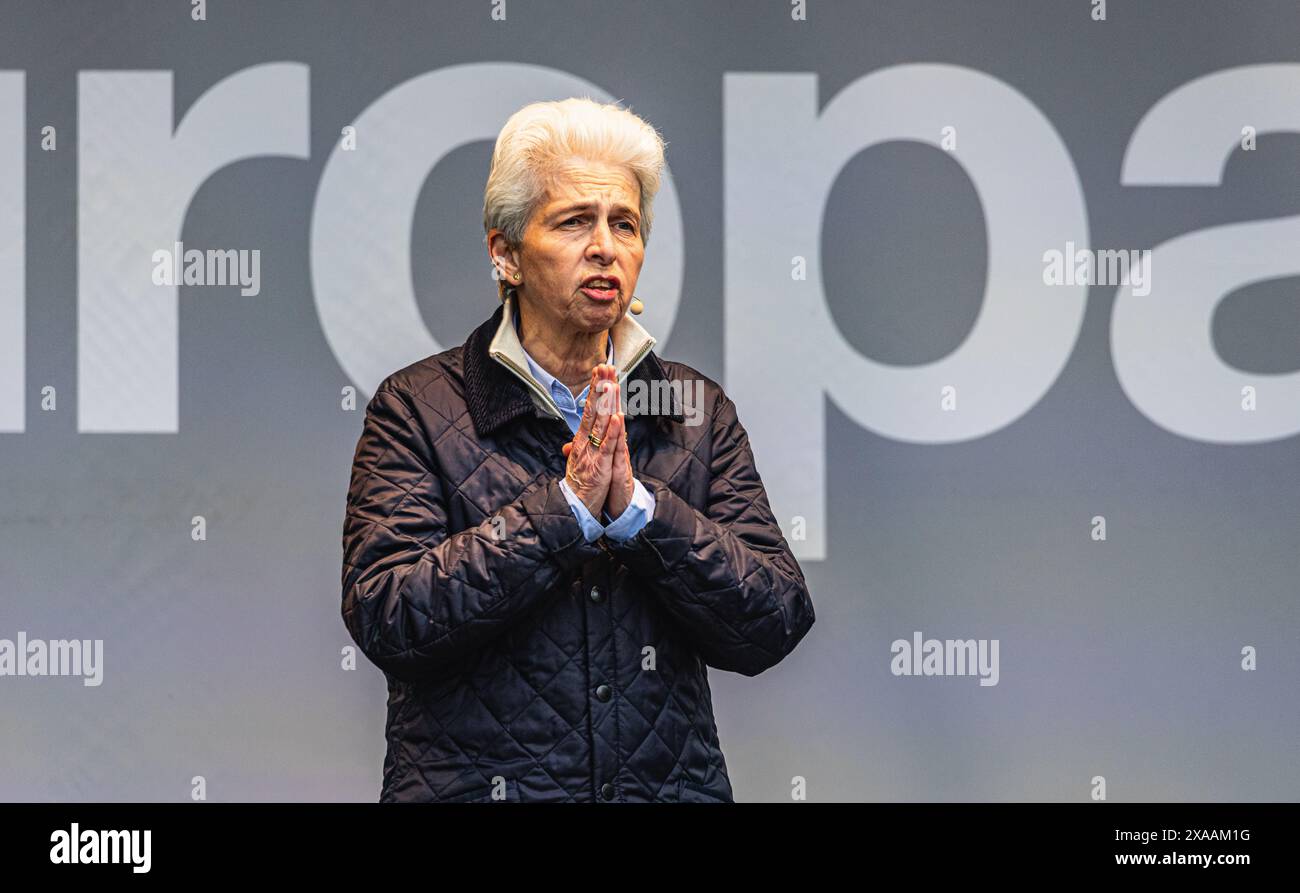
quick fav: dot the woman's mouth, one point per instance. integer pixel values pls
(601, 289)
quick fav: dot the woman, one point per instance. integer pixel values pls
(543, 578)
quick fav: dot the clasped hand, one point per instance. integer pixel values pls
(601, 476)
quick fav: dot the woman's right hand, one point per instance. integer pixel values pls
(589, 469)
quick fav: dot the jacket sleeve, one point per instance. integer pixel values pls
(726, 575)
(416, 599)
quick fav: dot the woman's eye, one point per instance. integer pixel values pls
(628, 226)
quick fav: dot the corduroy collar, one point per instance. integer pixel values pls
(496, 393)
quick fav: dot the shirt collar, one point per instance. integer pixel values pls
(549, 381)
(499, 388)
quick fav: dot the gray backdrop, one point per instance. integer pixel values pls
(818, 139)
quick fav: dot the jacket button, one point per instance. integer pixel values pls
(607, 791)
(604, 692)
(596, 595)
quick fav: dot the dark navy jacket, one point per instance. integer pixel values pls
(523, 662)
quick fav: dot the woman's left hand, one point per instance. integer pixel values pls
(621, 488)
(620, 481)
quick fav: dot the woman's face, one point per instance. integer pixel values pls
(587, 225)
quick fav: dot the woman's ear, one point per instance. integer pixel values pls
(504, 258)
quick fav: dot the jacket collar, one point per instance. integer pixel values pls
(499, 387)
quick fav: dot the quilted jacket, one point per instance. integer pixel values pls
(524, 663)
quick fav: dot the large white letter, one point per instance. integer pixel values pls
(784, 351)
(1162, 343)
(361, 224)
(135, 181)
(13, 253)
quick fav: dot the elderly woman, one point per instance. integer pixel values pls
(542, 577)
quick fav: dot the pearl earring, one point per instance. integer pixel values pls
(636, 306)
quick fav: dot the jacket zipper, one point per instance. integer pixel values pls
(531, 383)
(639, 356)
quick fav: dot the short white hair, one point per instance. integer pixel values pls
(542, 137)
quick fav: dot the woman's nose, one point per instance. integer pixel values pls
(602, 239)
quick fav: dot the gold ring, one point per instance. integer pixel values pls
(594, 440)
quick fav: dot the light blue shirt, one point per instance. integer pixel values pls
(642, 507)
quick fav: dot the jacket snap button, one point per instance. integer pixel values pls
(596, 595)
(604, 692)
(607, 791)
